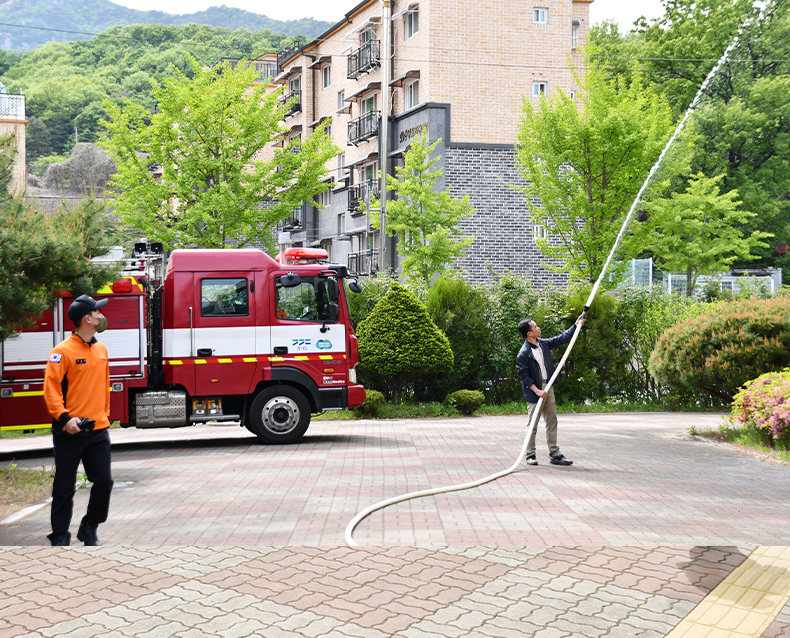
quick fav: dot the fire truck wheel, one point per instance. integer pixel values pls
(279, 414)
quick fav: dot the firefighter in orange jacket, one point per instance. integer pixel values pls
(77, 392)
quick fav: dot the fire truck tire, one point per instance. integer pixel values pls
(278, 415)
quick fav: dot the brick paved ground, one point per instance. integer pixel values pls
(213, 537)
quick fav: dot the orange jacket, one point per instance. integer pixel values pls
(77, 382)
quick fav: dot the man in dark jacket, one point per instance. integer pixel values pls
(535, 368)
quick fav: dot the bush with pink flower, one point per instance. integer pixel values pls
(764, 402)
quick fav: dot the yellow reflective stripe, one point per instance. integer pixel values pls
(34, 426)
(300, 358)
(200, 361)
(325, 357)
(276, 359)
(176, 363)
(224, 360)
(32, 393)
(249, 359)
(106, 289)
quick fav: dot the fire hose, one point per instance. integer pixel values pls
(536, 413)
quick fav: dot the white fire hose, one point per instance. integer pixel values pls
(536, 413)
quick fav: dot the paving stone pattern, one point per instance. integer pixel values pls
(347, 592)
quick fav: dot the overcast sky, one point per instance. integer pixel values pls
(623, 11)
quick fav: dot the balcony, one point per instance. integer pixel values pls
(365, 58)
(266, 70)
(363, 262)
(296, 105)
(12, 106)
(358, 194)
(286, 53)
(363, 128)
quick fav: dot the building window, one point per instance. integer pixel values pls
(538, 233)
(574, 38)
(411, 23)
(326, 74)
(341, 165)
(368, 104)
(367, 35)
(341, 218)
(325, 198)
(412, 95)
(341, 100)
(540, 15)
(573, 95)
(538, 89)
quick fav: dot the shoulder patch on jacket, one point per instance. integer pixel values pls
(55, 357)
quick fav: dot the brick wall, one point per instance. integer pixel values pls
(19, 173)
(502, 227)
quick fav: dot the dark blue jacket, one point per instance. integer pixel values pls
(528, 367)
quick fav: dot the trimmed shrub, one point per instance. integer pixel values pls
(721, 349)
(765, 403)
(362, 303)
(466, 401)
(373, 401)
(399, 345)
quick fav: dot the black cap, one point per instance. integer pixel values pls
(84, 305)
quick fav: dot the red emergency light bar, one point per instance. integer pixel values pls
(298, 255)
(122, 285)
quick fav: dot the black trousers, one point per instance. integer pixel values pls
(93, 449)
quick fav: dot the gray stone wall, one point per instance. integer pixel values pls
(501, 226)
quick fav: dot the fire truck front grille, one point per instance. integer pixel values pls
(161, 408)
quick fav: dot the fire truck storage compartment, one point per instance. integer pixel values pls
(161, 408)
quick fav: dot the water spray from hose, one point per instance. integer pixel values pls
(536, 413)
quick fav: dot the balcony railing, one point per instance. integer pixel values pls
(12, 106)
(358, 194)
(365, 58)
(363, 128)
(363, 262)
(286, 53)
(266, 69)
(296, 105)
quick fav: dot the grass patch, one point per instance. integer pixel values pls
(16, 434)
(750, 439)
(21, 488)
(436, 409)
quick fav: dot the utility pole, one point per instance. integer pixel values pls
(384, 131)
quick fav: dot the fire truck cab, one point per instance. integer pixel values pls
(221, 335)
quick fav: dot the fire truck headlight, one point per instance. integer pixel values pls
(352, 376)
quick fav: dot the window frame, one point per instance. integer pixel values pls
(326, 76)
(411, 19)
(216, 315)
(540, 15)
(410, 91)
(536, 88)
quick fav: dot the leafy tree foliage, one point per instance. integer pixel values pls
(743, 126)
(585, 163)
(721, 349)
(41, 255)
(205, 137)
(424, 220)
(399, 345)
(698, 232)
(66, 83)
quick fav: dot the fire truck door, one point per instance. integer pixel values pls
(225, 345)
(305, 334)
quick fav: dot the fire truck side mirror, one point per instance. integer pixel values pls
(332, 289)
(354, 286)
(333, 310)
(290, 280)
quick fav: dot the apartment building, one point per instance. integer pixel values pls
(13, 120)
(457, 72)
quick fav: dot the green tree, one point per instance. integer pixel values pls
(41, 255)
(698, 232)
(206, 136)
(399, 345)
(585, 163)
(424, 220)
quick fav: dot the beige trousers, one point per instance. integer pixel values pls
(549, 413)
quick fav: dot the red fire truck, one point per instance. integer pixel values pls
(221, 335)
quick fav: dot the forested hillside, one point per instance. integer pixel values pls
(43, 21)
(65, 84)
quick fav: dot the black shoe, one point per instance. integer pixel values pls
(531, 459)
(60, 540)
(555, 460)
(87, 534)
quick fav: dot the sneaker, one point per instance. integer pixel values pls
(560, 460)
(531, 460)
